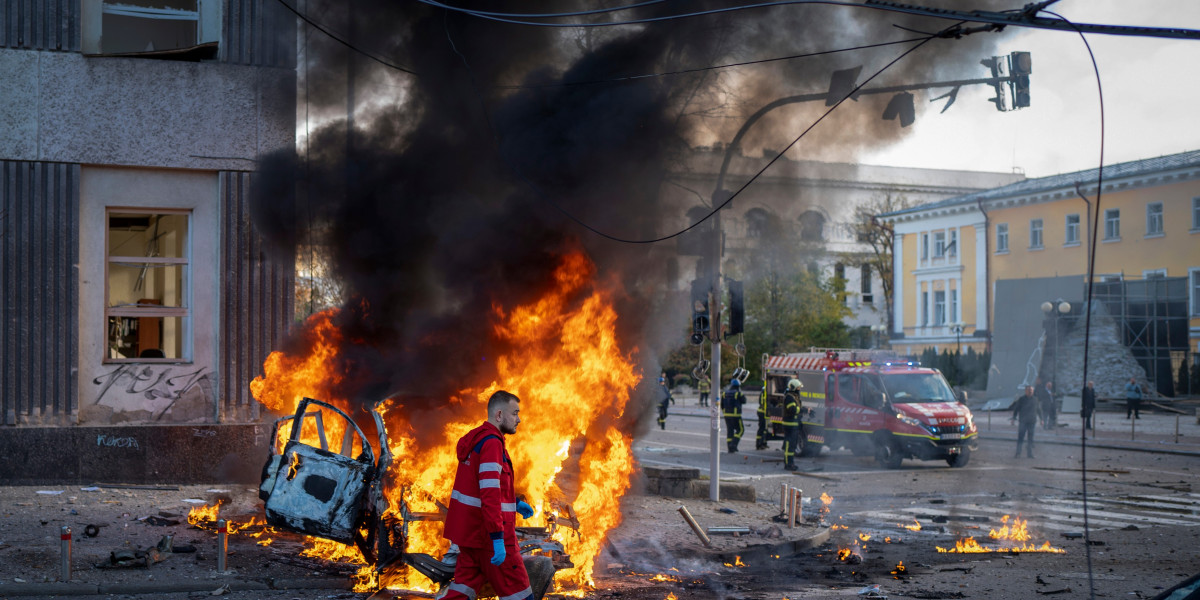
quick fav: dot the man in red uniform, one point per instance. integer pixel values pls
(483, 506)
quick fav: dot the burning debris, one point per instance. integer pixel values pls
(916, 526)
(1018, 531)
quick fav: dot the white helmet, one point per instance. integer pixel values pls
(795, 384)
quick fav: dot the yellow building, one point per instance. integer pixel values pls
(952, 257)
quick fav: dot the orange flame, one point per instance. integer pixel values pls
(864, 537)
(899, 570)
(1018, 532)
(826, 498)
(916, 526)
(567, 366)
(201, 515)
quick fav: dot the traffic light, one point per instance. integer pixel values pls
(1020, 66)
(841, 84)
(993, 64)
(701, 322)
(737, 308)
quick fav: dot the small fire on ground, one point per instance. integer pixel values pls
(737, 563)
(1018, 531)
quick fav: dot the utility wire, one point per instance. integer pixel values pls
(491, 17)
(1087, 323)
(708, 68)
(566, 14)
(345, 43)
(545, 197)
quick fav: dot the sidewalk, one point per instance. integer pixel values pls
(1154, 432)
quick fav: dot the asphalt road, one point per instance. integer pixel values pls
(1143, 517)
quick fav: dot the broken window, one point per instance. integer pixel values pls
(812, 226)
(147, 286)
(183, 29)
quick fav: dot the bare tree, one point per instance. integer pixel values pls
(878, 237)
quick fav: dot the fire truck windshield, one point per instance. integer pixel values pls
(912, 388)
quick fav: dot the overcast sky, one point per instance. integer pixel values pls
(1151, 99)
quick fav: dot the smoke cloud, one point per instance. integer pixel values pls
(454, 191)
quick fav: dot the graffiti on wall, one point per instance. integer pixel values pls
(161, 386)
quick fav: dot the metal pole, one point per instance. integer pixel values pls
(1176, 429)
(65, 544)
(714, 411)
(222, 544)
(1132, 429)
(783, 498)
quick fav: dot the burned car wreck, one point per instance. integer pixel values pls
(312, 490)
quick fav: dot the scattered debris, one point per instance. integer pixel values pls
(50, 492)
(1130, 527)
(728, 511)
(158, 521)
(872, 591)
(1072, 535)
(91, 530)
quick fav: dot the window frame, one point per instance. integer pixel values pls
(1195, 215)
(952, 245)
(1036, 237)
(939, 308)
(1071, 230)
(208, 17)
(1112, 224)
(925, 245)
(939, 244)
(1194, 291)
(183, 312)
(953, 298)
(1001, 238)
(925, 308)
(1153, 219)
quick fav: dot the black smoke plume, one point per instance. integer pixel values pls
(454, 190)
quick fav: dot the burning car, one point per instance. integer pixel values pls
(340, 496)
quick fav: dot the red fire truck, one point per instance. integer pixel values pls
(872, 403)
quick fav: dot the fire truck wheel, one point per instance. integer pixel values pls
(887, 454)
(959, 460)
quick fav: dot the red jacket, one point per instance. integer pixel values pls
(483, 505)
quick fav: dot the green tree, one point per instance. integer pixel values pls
(791, 312)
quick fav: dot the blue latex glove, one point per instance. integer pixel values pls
(498, 552)
(524, 509)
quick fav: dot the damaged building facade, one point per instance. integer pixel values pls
(136, 291)
(1023, 247)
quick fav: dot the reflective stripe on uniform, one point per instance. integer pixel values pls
(462, 589)
(486, 467)
(489, 483)
(525, 593)
(508, 507)
(465, 499)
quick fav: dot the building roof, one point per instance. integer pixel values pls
(1087, 179)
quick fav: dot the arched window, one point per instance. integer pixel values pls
(812, 226)
(756, 222)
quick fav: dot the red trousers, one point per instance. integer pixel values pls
(474, 569)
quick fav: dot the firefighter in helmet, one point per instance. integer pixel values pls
(731, 409)
(791, 424)
(760, 439)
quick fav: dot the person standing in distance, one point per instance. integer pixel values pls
(1088, 406)
(482, 516)
(1025, 412)
(703, 386)
(1133, 399)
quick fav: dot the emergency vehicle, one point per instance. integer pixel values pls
(872, 403)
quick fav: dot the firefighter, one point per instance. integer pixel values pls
(731, 409)
(760, 439)
(662, 405)
(482, 516)
(791, 424)
(703, 386)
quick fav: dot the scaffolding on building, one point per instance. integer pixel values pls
(1152, 315)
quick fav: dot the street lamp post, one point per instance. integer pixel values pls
(1053, 311)
(957, 328)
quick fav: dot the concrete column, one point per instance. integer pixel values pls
(898, 276)
(981, 276)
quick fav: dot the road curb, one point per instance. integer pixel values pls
(170, 587)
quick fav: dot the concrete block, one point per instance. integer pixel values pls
(671, 472)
